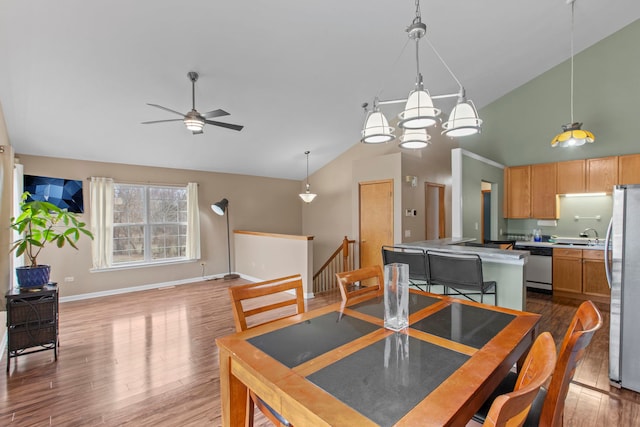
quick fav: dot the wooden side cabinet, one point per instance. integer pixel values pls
(594, 279)
(517, 196)
(629, 169)
(32, 322)
(567, 270)
(602, 174)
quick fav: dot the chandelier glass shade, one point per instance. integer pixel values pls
(463, 120)
(194, 124)
(419, 112)
(376, 129)
(415, 139)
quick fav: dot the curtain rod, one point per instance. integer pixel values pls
(166, 184)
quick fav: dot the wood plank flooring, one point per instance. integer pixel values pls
(149, 358)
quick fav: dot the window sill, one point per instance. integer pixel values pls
(141, 265)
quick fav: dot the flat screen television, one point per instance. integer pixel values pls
(64, 193)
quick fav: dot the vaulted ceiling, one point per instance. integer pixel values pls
(75, 76)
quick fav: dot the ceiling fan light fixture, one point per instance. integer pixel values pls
(194, 124)
(415, 139)
(463, 120)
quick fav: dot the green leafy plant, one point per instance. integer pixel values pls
(41, 223)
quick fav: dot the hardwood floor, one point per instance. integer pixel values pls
(149, 358)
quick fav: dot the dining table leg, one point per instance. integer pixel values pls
(233, 393)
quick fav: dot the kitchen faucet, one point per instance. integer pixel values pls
(586, 234)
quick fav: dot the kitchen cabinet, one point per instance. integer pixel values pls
(517, 196)
(580, 274)
(567, 270)
(602, 174)
(544, 199)
(629, 169)
(594, 279)
(571, 177)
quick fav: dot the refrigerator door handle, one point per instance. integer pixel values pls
(607, 259)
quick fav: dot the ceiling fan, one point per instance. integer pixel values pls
(193, 120)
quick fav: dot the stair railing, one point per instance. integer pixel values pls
(341, 260)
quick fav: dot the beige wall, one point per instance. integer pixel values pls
(255, 203)
(6, 190)
(334, 213)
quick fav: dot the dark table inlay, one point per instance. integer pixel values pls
(296, 344)
(375, 307)
(385, 380)
(465, 324)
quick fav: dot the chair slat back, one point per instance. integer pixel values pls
(462, 270)
(372, 275)
(584, 324)
(252, 291)
(416, 259)
(511, 409)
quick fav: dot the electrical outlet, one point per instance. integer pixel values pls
(69, 279)
(407, 233)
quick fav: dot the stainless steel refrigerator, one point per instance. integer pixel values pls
(623, 274)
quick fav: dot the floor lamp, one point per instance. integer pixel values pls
(220, 208)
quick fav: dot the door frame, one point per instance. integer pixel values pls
(441, 208)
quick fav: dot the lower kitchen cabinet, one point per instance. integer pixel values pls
(580, 274)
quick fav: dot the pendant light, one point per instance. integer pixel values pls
(572, 135)
(307, 196)
(419, 112)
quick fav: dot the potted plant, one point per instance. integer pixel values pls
(41, 223)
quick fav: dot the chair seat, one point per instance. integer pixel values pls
(507, 385)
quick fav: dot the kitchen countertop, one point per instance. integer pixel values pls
(560, 245)
(455, 245)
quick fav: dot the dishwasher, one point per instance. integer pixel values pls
(538, 272)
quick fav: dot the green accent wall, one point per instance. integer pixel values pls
(519, 127)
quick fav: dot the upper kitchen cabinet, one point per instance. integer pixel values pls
(602, 174)
(629, 169)
(517, 195)
(544, 197)
(571, 177)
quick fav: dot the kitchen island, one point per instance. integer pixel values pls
(505, 267)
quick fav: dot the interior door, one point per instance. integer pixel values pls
(376, 220)
(434, 211)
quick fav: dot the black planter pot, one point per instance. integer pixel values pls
(33, 277)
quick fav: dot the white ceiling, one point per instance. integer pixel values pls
(75, 75)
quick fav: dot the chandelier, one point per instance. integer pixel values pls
(419, 112)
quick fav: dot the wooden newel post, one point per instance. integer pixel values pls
(345, 254)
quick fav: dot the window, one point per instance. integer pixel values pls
(149, 223)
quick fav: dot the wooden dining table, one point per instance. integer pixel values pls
(338, 365)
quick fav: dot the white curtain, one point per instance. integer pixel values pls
(101, 194)
(193, 222)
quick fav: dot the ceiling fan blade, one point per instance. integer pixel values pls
(224, 125)
(214, 113)
(162, 121)
(166, 109)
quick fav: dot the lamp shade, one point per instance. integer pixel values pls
(419, 112)
(463, 120)
(220, 207)
(376, 129)
(414, 139)
(307, 196)
(573, 136)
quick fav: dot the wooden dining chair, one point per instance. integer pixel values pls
(352, 283)
(415, 258)
(511, 409)
(548, 407)
(255, 299)
(460, 273)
